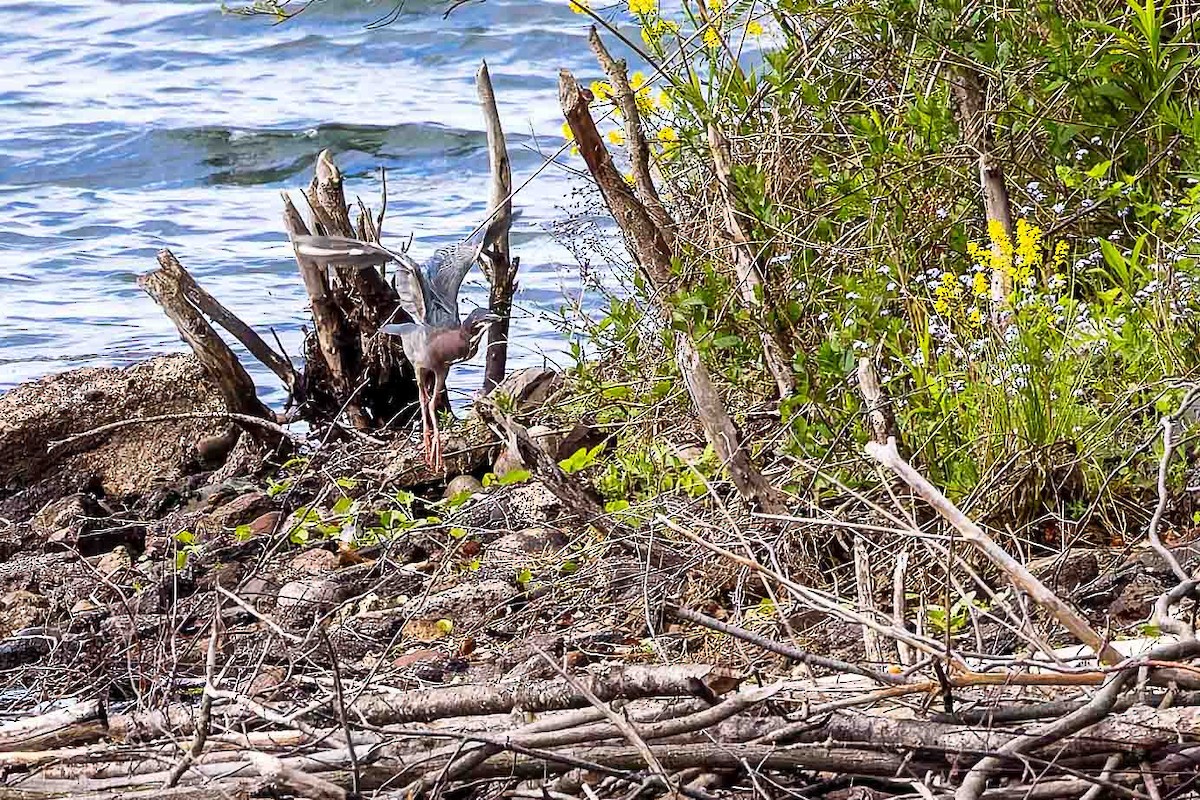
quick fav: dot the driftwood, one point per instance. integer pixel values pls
(82, 722)
(649, 241)
(349, 368)
(168, 285)
(1020, 576)
(501, 267)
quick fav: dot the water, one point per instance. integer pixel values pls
(126, 127)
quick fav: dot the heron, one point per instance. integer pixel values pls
(437, 338)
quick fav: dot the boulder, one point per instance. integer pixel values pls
(123, 462)
(528, 389)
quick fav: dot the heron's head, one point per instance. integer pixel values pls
(477, 323)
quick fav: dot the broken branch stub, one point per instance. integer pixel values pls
(167, 286)
(650, 246)
(497, 257)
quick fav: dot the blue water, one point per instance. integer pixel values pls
(126, 127)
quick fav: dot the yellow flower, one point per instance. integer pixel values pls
(715, 6)
(754, 28)
(570, 137)
(664, 100)
(601, 90)
(711, 39)
(653, 29)
(637, 80)
(668, 135)
(1060, 255)
(628, 176)
(975, 317)
(979, 285)
(616, 137)
(579, 6)
(643, 7)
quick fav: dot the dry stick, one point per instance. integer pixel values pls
(619, 721)
(243, 418)
(502, 269)
(785, 650)
(751, 286)
(1020, 576)
(1168, 426)
(219, 362)
(204, 718)
(905, 653)
(219, 314)
(293, 781)
(865, 588)
(1099, 707)
(649, 244)
(814, 599)
(635, 137)
(969, 88)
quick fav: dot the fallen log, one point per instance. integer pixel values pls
(82, 722)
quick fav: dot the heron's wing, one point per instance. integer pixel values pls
(341, 251)
(447, 268)
(409, 284)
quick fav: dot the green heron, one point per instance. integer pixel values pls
(437, 338)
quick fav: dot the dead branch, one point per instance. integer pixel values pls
(1020, 576)
(502, 268)
(81, 722)
(750, 283)
(650, 245)
(222, 366)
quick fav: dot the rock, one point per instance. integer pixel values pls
(76, 512)
(266, 684)
(315, 562)
(426, 630)
(508, 461)
(122, 462)
(264, 524)
(211, 451)
(523, 549)
(462, 484)
(22, 610)
(417, 657)
(465, 603)
(241, 510)
(528, 388)
(300, 601)
(114, 561)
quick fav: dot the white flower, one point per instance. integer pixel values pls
(942, 213)
(1059, 208)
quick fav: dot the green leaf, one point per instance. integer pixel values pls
(1099, 170)
(725, 342)
(568, 567)
(513, 476)
(613, 506)
(181, 559)
(347, 483)
(243, 533)
(445, 626)
(185, 537)
(458, 533)
(524, 576)
(488, 479)
(342, 506)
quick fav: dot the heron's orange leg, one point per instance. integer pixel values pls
(439, 383)
(424, 400)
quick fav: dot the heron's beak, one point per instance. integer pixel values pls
(492, 316)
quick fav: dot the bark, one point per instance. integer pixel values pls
(82, 722)
(970, 94)
(751, 286)
(390, 707)
(502, 268)
(167, 286)
(649, 243)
